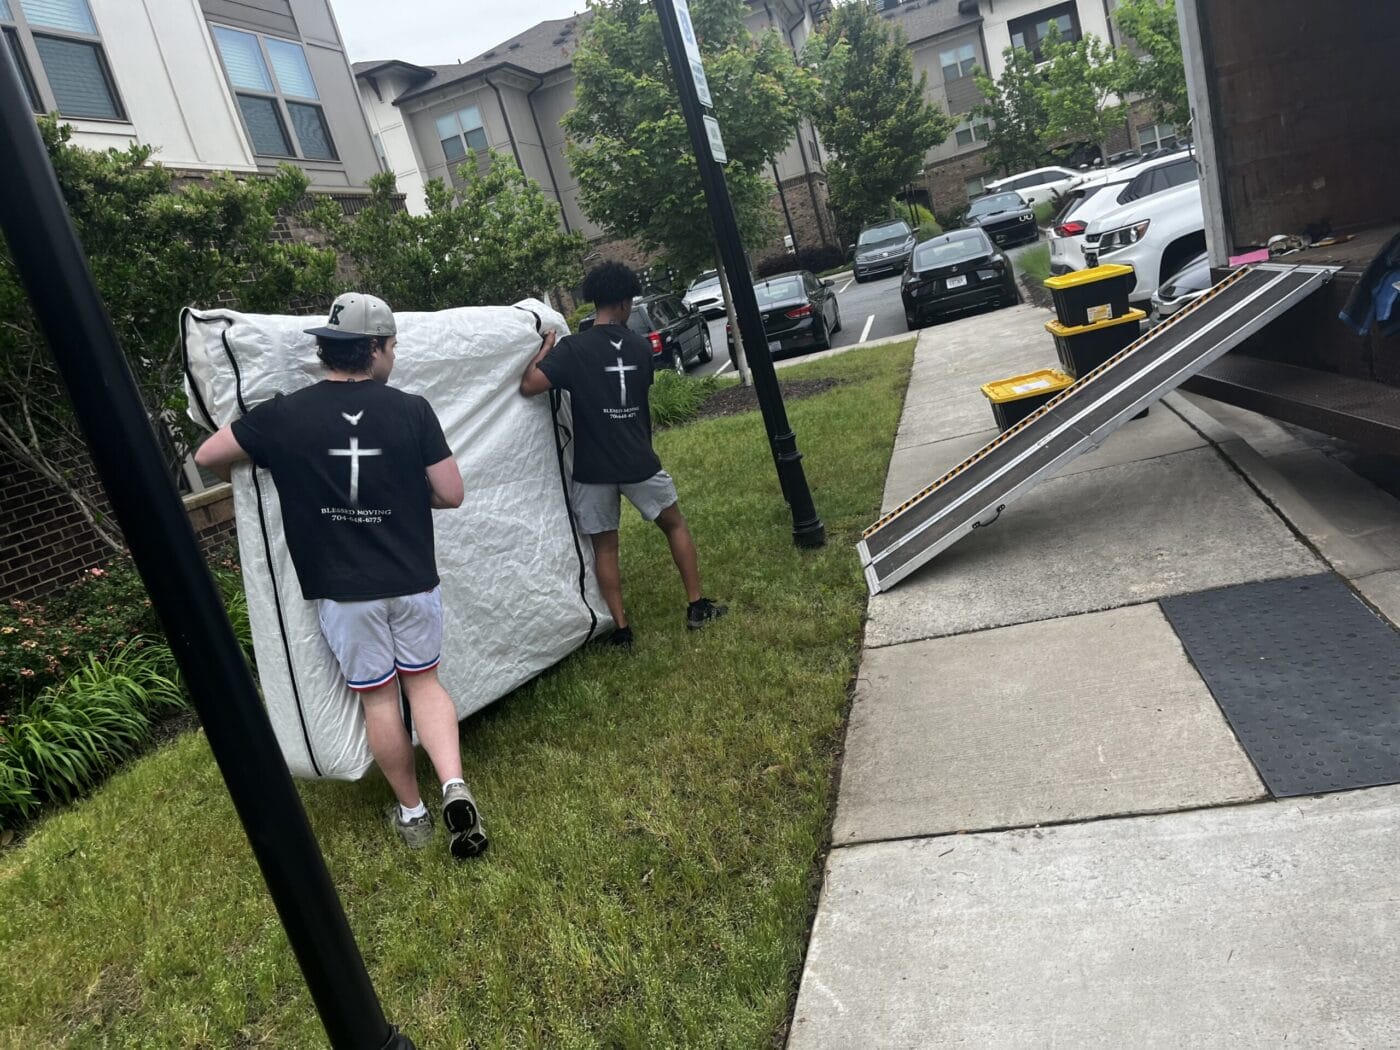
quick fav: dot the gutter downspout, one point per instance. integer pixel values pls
(544, 149)
(782, 199)
(510, 132)
(802, 149)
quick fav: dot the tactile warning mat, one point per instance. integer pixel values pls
(1308, 676)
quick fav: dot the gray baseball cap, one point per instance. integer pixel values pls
(356, 316)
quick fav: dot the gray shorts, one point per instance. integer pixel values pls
(598, 507)
(377, 640)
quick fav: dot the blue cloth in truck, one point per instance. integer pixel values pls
(1373, 300)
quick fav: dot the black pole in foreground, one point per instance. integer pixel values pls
(807, 528)
(51, 264)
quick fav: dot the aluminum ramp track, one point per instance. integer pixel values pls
(974, 493)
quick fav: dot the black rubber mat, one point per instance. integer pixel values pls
(1308, 676)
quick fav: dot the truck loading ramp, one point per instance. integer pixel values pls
(974, 494)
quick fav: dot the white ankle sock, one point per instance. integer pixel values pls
(448, 783)
(406, 814)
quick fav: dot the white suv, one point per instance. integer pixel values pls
(1043, 184)
(1155, 236)
(1102, 192)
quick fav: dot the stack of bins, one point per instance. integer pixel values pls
(1094, 320)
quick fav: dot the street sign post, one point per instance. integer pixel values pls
(678, 36)
(50, 262)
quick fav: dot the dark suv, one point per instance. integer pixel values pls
(679, 335)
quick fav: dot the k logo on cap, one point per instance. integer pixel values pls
(357, 316)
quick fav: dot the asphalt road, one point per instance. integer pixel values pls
(868, 311)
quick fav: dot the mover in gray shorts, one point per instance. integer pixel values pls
(607, 371)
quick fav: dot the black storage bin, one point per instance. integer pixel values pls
(1086, 297)
(1015, 398)
(1081, 350)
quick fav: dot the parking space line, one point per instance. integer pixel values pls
(724, 368)
(865, 332)
(845, 286)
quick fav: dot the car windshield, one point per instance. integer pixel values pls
(996, 202)
(948, 251)
(705, 281)
(890, 231)
(778, 290)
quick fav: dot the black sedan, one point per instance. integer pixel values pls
(1006, 217)
(958, 271)
(799, 313)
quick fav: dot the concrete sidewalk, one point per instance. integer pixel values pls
(1047, 833)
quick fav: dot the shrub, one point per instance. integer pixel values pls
(580, 312)
(60, 744)
(676, 399)
(814, 259)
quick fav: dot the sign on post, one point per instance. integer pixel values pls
(692, 53)
(716, 142)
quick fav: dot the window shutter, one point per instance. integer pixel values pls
(243, 59)
(77, 77)
(72, 15)
(265, 126)
(312, 133)
(293, 73)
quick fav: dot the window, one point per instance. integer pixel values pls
(1160, 178)
(958, 62)
(976, 186)
(60, 57)
(1156, 136)
(460, 132)
(972, 131)
(276, 94)
(1030, 31)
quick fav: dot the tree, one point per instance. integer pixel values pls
(1081, 80)
(153, 247)
(1016, 110)
(1160, 74)
(870, 111)
(628, 144)
(495, 239)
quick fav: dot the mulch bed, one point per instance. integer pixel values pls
(1036, 293)
(735, 399)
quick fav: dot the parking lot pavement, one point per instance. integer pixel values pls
(868, 311)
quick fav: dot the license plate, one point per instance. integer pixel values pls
(773, 344)
(957, 282)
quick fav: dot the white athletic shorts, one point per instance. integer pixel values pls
(376, 640)
(598, 507)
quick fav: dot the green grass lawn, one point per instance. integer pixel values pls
(1035, 262)
(657, 819)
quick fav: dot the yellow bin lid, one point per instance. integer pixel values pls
(1079, 278)
(1046, 381)
(1055, 328)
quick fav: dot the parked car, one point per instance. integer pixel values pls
(958, 271)
(1042, 184)
(1188, 283)
(706, 295)
(678, 334)
(1125, 157)
(1156, 236)
(882, 247)
(800, 312)
(1105, 191)
(1005, 217)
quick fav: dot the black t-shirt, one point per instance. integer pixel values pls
(607, 372)
(349, 460)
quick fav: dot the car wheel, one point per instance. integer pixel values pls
(859, 279)
(823, 341)
(707, 350)
(911, 323)
(837, 326)
(678, 361)
(1012, 297)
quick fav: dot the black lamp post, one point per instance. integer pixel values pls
(51, 264)
(807, 528)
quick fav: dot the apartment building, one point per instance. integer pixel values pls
(241, 85)
(511, 99)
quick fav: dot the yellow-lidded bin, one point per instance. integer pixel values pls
(1083, 349)
(1090, 296)
(1015, 398)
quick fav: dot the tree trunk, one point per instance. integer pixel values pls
(741, 361)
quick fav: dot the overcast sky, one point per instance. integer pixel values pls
(436, 32)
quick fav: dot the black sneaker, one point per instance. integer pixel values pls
(702, 612)
(621, 637)
(467, 835)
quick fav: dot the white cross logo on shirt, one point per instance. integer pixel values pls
(355, 452)
(622, 371)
